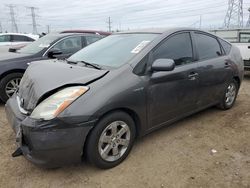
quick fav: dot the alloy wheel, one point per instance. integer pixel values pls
(230, 94)
(114, 141)
(12, 86)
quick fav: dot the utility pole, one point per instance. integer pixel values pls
(234, 15)
(248, 21)
(109, 24)
(1, 29)
(48, 28)
(200, 21)
(33, 16)
(13, 20)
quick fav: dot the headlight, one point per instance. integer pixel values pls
(56, 103)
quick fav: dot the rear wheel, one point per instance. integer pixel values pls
(9, 85)
(230, 95)
(111, 140)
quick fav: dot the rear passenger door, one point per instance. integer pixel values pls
(213, 68)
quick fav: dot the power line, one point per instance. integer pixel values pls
(12, 16)
(234, 16)
(33, 16)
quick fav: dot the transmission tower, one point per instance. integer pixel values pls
(33, 15)
(248, 21)
(13, 20)
(109, 24)
(234, 16)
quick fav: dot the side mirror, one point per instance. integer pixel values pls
(54, 52)
(163, 65)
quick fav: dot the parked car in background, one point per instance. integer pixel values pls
(57, 45)
(240, 38)
(10, 39)
(100, 99)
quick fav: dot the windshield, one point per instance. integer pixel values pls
(113, 51)
(39, 45)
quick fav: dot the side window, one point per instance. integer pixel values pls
(177, 47)
(207, 47)
(245, 37)
(91, 39)
(69, 45)
(226, 46)
(140, 68)
(5, 38)
(18, 38)
(28, 38)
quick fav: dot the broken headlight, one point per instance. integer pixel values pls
(58, 102)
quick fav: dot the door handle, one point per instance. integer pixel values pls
(193, 75)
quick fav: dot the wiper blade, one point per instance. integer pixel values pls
(91, 64)
(85, 63)
(70, 62)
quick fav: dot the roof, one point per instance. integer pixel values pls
(87, 31)
(60, 34)
(159, 30)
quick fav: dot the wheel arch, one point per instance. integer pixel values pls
(10, 72)
(128, 111)
(237, 79)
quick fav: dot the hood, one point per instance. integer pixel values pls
(11, 56)
(44, 77)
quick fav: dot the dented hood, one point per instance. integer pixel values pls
(44, 77)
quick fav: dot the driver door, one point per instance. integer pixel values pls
(68, 46)
(173, 94)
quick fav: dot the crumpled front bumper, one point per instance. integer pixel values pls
(49, 144)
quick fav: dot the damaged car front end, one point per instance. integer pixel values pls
(44, 134)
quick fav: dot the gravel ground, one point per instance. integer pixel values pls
(176, 156)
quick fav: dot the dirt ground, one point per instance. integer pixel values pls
(176, 156)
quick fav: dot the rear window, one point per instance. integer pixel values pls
(207, 47)
(21, 38)
(225, 45)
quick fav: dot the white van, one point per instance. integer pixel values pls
(240, 38)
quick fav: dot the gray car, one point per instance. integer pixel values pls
(99, 100)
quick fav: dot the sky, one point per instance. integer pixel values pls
(124, 14)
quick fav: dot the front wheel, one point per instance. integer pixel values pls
(230, 95)
(111, 140)
(9, 85)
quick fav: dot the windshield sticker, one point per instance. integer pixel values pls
(140, 46)
(43, 45)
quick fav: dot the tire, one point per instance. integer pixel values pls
(16, 77)
(105, 129)
(225, 103)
